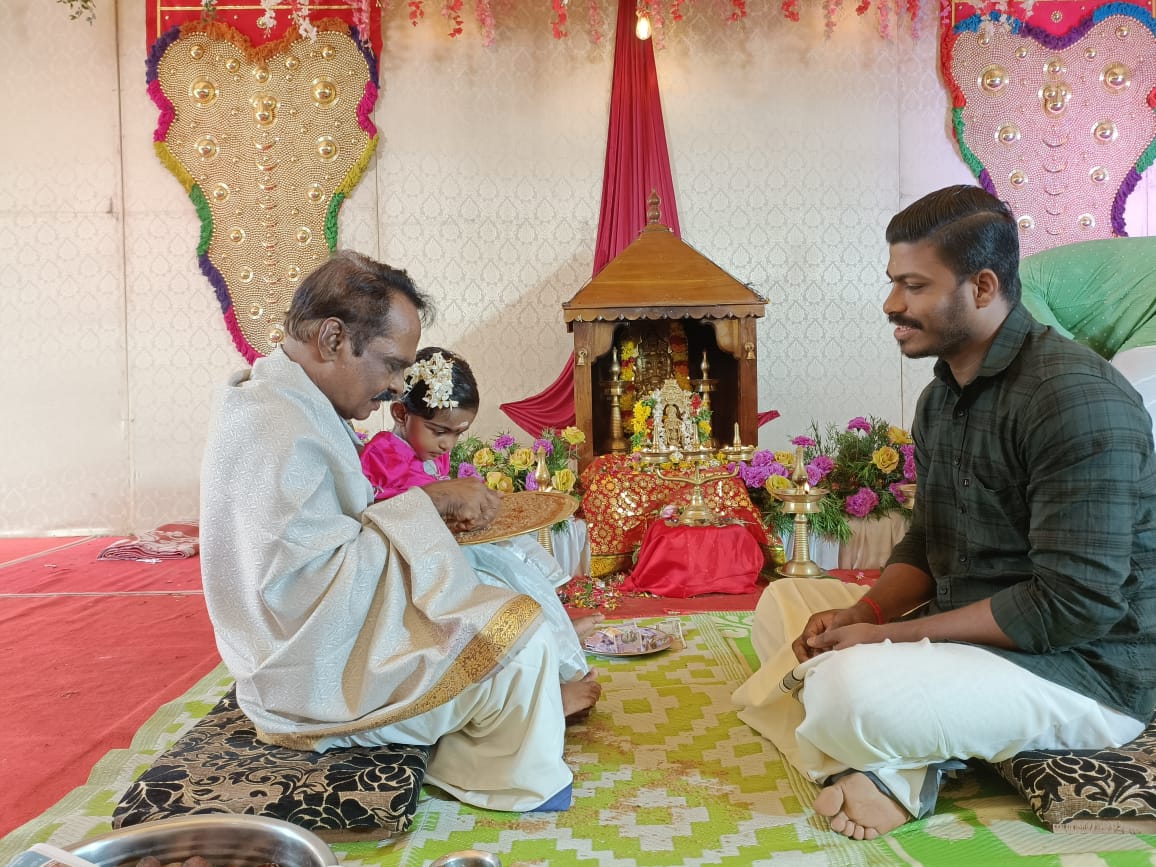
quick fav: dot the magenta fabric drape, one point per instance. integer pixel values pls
(637, 163)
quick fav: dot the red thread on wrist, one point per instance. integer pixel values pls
(874, 606)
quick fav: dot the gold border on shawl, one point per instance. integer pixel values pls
(490, 646)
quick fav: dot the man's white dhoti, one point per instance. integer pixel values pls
(503, 737)
(900, 710)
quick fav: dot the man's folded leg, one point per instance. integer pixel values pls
(498, 745)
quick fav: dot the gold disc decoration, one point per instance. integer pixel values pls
(522, 512)
(267, 142)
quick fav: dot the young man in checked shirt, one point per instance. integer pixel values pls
(1019, 611)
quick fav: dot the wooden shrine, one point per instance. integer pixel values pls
(659, 287)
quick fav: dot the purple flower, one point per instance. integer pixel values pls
(805, 442)
(762, 458)
(752, 476)
(861, 503)
(468, 471)
(896, 491)
(814, 475)
(543, 444)
(823, 464)
(503, 442)
(859, 423)
(774, 468)
(531, 482)
(909, 468)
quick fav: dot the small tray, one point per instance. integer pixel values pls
(653, 641)
(523, 512)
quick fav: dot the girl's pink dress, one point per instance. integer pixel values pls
(393, 467)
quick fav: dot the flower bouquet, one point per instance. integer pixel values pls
(506, 465)
(864, 466)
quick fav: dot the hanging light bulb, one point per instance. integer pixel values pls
(642, 28)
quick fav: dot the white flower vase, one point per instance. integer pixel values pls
(872, 540)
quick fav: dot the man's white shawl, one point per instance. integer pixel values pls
(333, 615)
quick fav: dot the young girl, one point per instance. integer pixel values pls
(439, 405)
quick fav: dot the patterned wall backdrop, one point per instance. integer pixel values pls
(789, 152)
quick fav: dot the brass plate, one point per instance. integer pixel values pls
(523, 512)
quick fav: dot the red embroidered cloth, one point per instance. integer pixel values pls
(621, 500)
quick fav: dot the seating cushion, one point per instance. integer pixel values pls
(220, 766)
(1096, 791)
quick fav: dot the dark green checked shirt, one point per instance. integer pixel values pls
(1037, 488)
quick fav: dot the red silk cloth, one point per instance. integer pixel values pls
(677, 561)
(163, 15)
(621, 500)
(637, 162)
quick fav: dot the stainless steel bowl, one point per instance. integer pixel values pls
(224, 840)
(468, 858)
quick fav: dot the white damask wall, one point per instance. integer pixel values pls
(789, 152)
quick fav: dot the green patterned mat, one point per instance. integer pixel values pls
(665, 775)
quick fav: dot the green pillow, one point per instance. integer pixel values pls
(1102, 292)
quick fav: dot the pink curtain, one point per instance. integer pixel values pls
(637, 163)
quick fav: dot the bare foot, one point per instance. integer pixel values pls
(579, 696)
(857, 809)
(585, 625)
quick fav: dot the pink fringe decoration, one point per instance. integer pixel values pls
(167, 112)
(365, 109)
(596, 22)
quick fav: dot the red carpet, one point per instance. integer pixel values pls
(75, 569)
(16, 549)
(86, 660)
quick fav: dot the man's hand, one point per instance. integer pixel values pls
(832, 630)
(465, 504)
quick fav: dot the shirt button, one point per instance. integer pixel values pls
(963, 510)
(962, 558)
(967, 483)
(956, 460)
(960, 413)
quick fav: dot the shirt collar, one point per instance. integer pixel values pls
(1004, 348)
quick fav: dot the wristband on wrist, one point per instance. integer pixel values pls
(874, 606)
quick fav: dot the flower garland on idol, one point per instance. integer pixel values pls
(864, 467)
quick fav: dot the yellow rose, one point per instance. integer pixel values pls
(499, 481)
(886, 458)
(787, 459)
(777, 483)
(897, 436)
(522, 459)
(483, 457)
(573, 435)
(563, 480)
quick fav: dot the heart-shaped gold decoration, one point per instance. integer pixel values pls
(1062, 126)
(267, 142)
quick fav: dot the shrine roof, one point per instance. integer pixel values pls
(660, 276)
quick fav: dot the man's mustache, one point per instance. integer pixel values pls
(387, 396)
(904, 322)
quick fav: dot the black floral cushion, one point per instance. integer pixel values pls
(219, 766)
(1110, 790)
